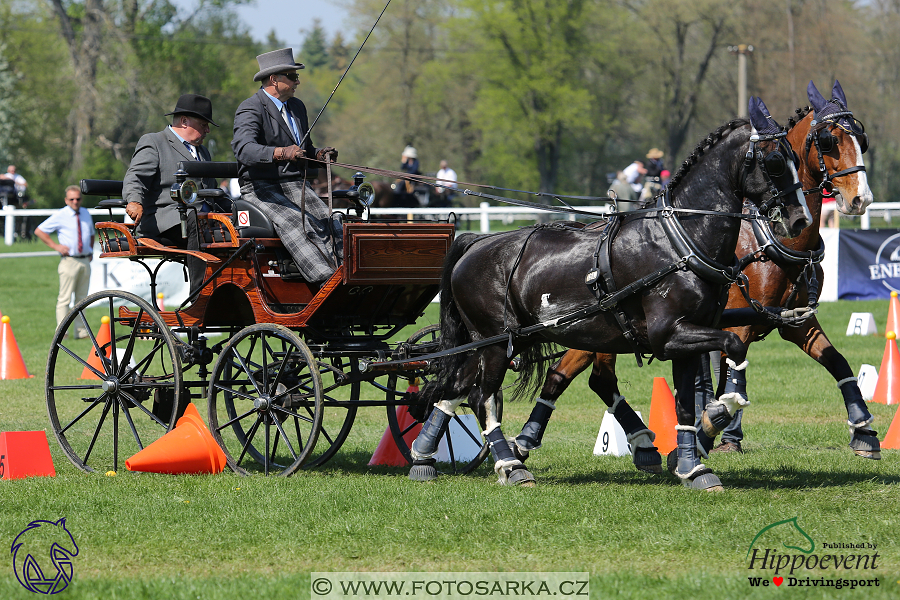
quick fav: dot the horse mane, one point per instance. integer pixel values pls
(800, 115)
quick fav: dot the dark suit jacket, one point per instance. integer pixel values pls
(150, 176)
(259, 129)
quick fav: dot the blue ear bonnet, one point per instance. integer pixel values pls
(761, 120)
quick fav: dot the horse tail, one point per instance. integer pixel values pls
(454, 332)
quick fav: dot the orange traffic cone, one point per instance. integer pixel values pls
(662, 416)
(893, 319)
(892, 437)
(93, 359)
(189, 448)
(887, 390)
(159, 301)
(387, 453)
(11, 364)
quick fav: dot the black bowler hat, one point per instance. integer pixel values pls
(195, 106)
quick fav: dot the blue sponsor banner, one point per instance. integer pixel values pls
(868, 264)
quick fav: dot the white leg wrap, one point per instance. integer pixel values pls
(843, 381)
(490, 429)
(641, 439)
(685, 428)
(733, 402)
(616, 399)
(692, 471)
(490, 407)
(449, 406)
(502, 466)
(739, 367)
(864, 424)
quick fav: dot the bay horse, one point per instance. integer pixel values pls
(790, 279)
(660, 286)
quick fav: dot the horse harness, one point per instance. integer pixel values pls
(820, 136)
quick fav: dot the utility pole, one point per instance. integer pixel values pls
(742, 50)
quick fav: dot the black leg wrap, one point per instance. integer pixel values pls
(499, 448)
(423, 470)
(857, 411)
(865, 443)
(705, 441)
(426, 443)
(627, 418)
(647, 460)
(533, 431)
(714, 419)
(518, 452)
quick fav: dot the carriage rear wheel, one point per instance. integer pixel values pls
(112, 388)
(462, 448)
(265, 401)
(339, 410)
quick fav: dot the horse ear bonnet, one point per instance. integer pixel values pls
(837, 104)
(760, 118)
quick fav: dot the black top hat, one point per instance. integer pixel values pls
(277, 61)
(195, 106)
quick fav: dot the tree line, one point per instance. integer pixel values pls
(543, 95)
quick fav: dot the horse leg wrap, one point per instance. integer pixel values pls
(533, 431)
(509, 469)
(719, 413)
(644, 454)
(426, 443)
(625, 415)
(864, 441)
(693, 473)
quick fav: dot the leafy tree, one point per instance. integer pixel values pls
(314, 51)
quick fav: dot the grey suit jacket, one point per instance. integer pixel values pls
(150, 176)
(258, 129)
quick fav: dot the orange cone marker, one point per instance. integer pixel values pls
(25, 454)
(387, 453)
(94, 360)
(887, 390)
(892, 437)
(189, 448)
(893, 319)
(11, 364)
(159, 301)
(662, 416)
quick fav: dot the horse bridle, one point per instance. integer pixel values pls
(774, 167)
(825, 142)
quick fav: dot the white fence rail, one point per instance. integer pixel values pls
(484, 213)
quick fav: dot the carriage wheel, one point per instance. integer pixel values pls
(338, 412)
(265, 401)
(461, 459)
(128, 400)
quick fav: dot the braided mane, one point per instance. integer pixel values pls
(801, 114)
(706, 143)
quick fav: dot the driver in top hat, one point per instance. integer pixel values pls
(152, 173)
(273, 152)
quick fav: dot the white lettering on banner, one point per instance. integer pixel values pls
(884, 271)
(887, 266)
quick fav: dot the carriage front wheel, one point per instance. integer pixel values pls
(114, 385)
(265, 401)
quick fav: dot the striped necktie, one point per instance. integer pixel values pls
(192, 150)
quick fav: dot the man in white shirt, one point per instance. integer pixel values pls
(446, 179)
(76, 241)
(633, 174)
(21, 184)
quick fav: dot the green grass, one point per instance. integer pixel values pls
(639, 536)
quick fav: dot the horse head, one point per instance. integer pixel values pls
(773, 185)
(834, 148)
(31, 549)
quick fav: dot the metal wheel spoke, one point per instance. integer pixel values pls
(475, 438)
(113, 355)
(246, 369)
(233, 391)
(86, 386)
(250, 435)
(266, 455)
(291, 413)
(134, 401)
(96, 401)
(286, 440)
(106, 406)
(129, 347)
(134, 432)
(299, 434)
(283, 368)
(236, 419)
(82, 361)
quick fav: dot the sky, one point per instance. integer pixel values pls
(286, 17)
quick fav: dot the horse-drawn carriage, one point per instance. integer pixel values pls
(285, 382)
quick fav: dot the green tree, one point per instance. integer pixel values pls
(314, 51)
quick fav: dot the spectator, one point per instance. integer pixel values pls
(446, 181)
(633, 174)
(624, 191)
(75, 230)
(18, 180)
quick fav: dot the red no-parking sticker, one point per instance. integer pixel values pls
(243, 218)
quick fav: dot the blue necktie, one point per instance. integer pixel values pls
(290, 122)
(190, 149)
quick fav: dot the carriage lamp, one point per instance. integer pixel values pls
(184, 192)
(358, 178)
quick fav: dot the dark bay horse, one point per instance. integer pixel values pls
(834, 166)
(670, 289)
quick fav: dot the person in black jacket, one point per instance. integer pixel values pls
(274, 170)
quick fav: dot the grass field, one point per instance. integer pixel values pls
(639, 536)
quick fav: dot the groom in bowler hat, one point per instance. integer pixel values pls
(152, 173)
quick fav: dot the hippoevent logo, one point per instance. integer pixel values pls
(887, 263)
(42, 556)
(784, 554)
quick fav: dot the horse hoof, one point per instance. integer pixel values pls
(707, 482)
(865, 443)
(648, 460)
(423, 470)
(521, 477)
(672, 461)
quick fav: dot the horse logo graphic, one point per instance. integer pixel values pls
(32, 548)
(789, 531)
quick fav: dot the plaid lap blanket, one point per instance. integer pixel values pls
(313, 239)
